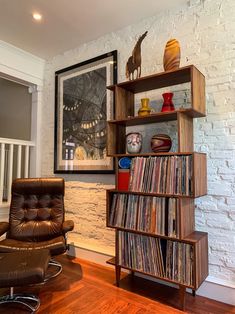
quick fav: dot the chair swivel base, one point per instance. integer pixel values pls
(53, 263)
(30, 301)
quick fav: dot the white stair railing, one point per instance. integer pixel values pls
(14, 163)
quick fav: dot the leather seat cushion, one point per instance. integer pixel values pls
(56, 246)
(23, 267)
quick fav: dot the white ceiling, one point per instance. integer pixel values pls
(68, 23)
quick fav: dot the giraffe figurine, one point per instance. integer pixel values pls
(134, 62)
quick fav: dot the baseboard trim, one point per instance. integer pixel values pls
(87, 254)
(212, 288)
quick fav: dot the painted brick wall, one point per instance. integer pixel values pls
(206, 32)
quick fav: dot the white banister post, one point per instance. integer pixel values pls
(2, 171)
(35, 152)
(19, 155)
(10, 171)
(26, 162)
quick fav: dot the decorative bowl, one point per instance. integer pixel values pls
(161, 143)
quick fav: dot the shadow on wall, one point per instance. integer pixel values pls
(104, 179)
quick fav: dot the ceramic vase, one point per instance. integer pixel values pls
(133, 143)
(145, 109)
(171, 59)
(161, 143)
(167, 103)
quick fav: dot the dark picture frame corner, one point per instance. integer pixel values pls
(83, 105)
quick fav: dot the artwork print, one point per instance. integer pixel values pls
(83, 106)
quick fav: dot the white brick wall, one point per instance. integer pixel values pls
(206, 32)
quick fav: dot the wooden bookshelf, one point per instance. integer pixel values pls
(200, 269)
(183, 219)
(117, 129)
(185, 214)
(124, 92)
(157, 117)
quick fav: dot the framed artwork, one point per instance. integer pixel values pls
(82, 107)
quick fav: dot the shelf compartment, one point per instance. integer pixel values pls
(156, 117)
(199, 176)
(199, 242)
(181, 225)
(124, 92)
(112, 261)
(117, 130)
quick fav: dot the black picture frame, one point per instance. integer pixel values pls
(82, 107)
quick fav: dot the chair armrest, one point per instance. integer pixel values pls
(68, 225)
(4, 227)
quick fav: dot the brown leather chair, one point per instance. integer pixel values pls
(36, 218)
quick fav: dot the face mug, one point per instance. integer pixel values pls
(133, 143)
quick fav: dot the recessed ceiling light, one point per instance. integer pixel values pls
(37, 16)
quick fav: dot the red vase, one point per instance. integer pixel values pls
(167, 104)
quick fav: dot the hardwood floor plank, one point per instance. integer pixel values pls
(87, 288)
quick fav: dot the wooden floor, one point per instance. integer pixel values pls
(84, 288)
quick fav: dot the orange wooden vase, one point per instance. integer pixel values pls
(171, 59)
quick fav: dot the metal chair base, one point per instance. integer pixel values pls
(57, 265)
(30, 301)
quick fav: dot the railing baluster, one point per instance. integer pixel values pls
(14, 163)
(19, 154)
(10, 171)
(2, 171)
(26, 162)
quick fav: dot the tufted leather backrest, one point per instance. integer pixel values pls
(37, 209)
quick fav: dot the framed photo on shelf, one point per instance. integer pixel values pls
(82, 107)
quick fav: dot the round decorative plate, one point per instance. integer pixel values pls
(124, 163)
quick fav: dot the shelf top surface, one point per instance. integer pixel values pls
(192, 238)
(166, 195)
(112, 261)
(157, 154)
(158, 80)
(151, 194)
(157, 117)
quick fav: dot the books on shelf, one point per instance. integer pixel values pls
(179, 262)
(163, 175)
(158, 215)
(159, 257)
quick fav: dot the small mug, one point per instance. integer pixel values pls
(133, 143)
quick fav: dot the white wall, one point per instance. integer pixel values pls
(15, 98)
(206, 32)
(24, 68)
(18, 64)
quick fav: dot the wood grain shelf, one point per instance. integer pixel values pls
(157, 117)
(199, 174)
(192, 238)
(159, 80)
(186, 218)
(199, 242)
(155, 154)
(124, 116)
(157, 194)
(113, 262)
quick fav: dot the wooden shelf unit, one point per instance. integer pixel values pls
(199, 181)
(117, 129)
(199, 243)
(124, 92)
(124, 117)
(186, 218)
